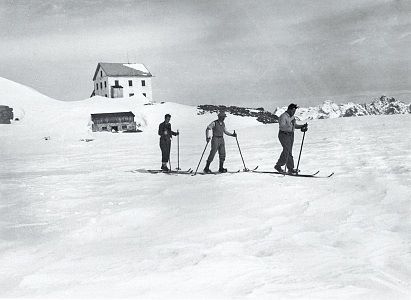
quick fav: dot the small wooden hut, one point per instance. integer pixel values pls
(118, 121)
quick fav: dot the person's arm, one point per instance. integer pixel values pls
(229, 133)
(160, 129)
(303, 127)
(173, 132)
(299, 126)
(208, 129)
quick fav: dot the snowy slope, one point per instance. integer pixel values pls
(77, 222)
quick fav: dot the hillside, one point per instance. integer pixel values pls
(78, 219)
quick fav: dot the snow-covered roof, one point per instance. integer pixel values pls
(121, 69)
(115, 114)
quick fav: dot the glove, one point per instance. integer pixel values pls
(177, 133)
(304, 128)
(208, 139)
(234, 134)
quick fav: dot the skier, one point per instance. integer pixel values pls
(217, 142)
(287, 125)
(165, 133)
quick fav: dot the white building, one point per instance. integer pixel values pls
(117, 80)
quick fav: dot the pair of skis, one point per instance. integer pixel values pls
(191, 172)
(314, 175)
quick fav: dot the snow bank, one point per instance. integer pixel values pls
(77, 221)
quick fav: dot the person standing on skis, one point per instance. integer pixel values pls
(287, 125)
(165, 133)
(217, 141)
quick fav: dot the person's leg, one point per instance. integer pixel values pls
(282, 137)
(221, 154)
(168, 149)
(290, 159)
(164, 158)
(213, 151)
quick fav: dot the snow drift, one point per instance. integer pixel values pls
(77, 222)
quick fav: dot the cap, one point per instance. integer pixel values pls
(222, 114)
(292, 106)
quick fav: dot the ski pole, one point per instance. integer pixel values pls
(178, 151)
(201, 158)
(245, 168)
(301, 149)
(169, 158)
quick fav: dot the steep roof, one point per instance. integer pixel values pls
(120, 70)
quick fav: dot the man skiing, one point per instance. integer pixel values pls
(217, 141)
(287, 125)
(165, 133)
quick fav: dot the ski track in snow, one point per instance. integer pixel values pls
(75, 222)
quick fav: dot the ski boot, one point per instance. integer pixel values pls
(207, 168)
(222, 169)
(293, 172)
(278, 169)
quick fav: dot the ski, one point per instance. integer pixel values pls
(248, 170)
(157, 171)
(217, 173)
(314, 175)
(229, 172)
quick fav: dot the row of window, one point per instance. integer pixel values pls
(116, 83)
(101, 85)
(123, 127)
(130, 95)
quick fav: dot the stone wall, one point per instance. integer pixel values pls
(6, 114)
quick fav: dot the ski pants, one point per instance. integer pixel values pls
(286, 157)
(217, 144)
(165, 146)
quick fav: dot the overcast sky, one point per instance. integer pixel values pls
(250, 53)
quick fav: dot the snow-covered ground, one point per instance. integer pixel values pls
(76, 222)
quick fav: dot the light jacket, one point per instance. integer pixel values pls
(286, 122)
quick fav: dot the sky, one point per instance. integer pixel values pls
(247, 53)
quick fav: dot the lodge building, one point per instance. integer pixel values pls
(122, 80)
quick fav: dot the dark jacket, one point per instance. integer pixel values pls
(165, 132)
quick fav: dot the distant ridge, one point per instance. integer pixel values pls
(328, 109)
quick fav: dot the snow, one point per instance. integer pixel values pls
(138, 67)
(329, 109)
(77, 222)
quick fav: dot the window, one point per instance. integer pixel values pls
(101, 85)
(96, 86)
(131, 94)
(144, 94)
(105, 84)
(104, 128)
(130, 83)
(124, 127)
(101, 73)
(143, 83)
(116, 82)
(105, 95)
